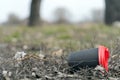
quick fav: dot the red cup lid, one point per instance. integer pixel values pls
(103, 55)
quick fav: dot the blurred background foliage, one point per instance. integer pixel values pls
(101, 29)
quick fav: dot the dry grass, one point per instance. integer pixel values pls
(49, 39)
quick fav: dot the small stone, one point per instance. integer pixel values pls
(41, 56)
(4, 73)
(25, 47)
(99, 68)
(19, 55)
(111, 78)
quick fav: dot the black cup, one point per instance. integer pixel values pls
(89, 58)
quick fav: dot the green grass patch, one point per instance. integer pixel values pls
(59, 35)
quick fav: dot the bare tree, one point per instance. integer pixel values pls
(112, 12)
(13, 19)
(98, 15)
(62, 15)
(34, 18)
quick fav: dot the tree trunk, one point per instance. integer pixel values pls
(34, 18)
(112, 12)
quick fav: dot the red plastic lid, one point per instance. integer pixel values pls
(103, 54)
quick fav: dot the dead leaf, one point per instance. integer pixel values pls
(58, 53)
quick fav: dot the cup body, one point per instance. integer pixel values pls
(84, 58)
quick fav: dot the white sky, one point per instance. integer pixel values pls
(80, 9)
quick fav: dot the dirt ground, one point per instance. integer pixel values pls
(32, 67)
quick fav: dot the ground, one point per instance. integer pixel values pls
(52, 40)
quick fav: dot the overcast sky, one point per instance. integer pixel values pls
(80, 9)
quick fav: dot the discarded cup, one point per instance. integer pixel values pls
(89, 58)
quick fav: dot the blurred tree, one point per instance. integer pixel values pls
(112, 12)
(62, 15)
(98, 15)
(13, 19)
(34, 18)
